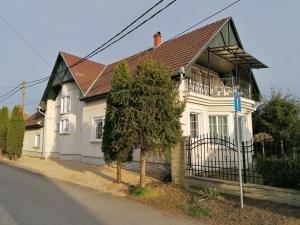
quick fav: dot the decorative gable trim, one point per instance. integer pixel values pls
(74, 77)
(206, 45)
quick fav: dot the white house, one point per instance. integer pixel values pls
(207, 63)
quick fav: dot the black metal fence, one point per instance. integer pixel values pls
(267, 161)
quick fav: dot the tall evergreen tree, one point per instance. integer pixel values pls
(117, 136)
(15, 133)
(3, 129)
(156, 111)
(279, 116)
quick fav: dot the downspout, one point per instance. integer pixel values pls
(43, 144)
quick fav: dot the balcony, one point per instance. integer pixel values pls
(217, 87)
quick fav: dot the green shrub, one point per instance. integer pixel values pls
(3, 129)
(211, 193)
(196, 209)
(144, 192)
(279, 172)
(15, 133)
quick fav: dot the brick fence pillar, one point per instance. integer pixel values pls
(178, 162)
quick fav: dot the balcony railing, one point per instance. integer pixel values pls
(220, 87)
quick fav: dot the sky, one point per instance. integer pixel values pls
(269, 30)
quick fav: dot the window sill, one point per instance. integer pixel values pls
(37, 147)
(96, 141)
(65, 133)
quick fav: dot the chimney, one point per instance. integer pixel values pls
(157, 39)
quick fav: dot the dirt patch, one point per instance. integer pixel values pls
(101, 178)
(223, 210)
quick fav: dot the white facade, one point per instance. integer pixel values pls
(33, 141)
(78, 141)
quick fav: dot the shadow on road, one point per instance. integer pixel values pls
(32, 199)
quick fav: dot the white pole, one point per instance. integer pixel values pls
(239, 157)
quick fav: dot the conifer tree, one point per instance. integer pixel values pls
(117, 136)
(3, 129)
(15, 133)
(156, 111)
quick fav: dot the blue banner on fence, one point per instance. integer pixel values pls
(237, 102)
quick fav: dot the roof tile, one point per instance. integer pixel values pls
(174, 53)
(84, 73)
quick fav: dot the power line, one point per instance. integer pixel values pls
(16, 91)
(97, 51)
(102, 48)
(205, 19)
(198, 23)
(123, 30)
(132, 30)
(31, 103)
(24, 41)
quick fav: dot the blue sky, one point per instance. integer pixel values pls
(268, 29)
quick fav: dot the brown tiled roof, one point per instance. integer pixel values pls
(34, 119)
(174, 53)
(84, 73)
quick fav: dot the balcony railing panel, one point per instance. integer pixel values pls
(219, 89)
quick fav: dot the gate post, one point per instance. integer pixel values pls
(244, 163)
(178, 162)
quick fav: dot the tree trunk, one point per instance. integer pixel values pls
(143, 167)
(119, 168)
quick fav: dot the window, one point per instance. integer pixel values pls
(194, 125)
(64, 127)
(65, 104)
(37, 141)
(218, 126)
(98, 124)
(240, 126)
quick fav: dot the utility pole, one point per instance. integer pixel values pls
(23, 96)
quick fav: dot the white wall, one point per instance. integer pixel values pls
(51, 145)
(206, 106)
(64, 144)
(79, 145)
(29, 140)
(89, 147)
(70, 143)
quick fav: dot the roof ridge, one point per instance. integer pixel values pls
(202, 27)
(92, 84)
(151, 48)
(168, 41)
(70, 54)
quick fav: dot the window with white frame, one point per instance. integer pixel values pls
(98, 124)
(37, 141)
(65, 104)
(195, 124)
(64, 127)
(218, 126)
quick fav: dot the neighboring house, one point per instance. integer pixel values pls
(207, 63)
(34, 134)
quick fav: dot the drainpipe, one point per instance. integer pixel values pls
(43, 152)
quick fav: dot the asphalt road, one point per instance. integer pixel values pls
(31, 199)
